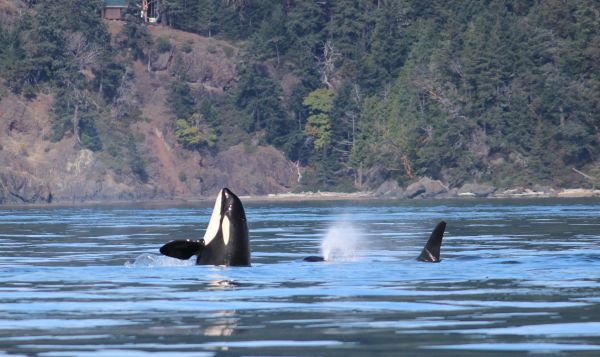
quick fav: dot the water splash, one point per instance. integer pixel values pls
(152, 260)
(342, 242)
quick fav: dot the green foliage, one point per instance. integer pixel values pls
(260, 98)
(228, 51)
(108, 77)
(319, 100)
(180, 99)
(271, 39)
(457, 90)
(135, 37)
(46, 46)
(235, 19)
(12, 55)
(186, 47)
(182, 176)
(71, 57)
(136, 162)
(194, 135)
(210, 114)
(75, 114)
(88, 133)
(318, 126)
(162, 44)
(387, 49)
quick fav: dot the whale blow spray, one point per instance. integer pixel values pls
(341, 242)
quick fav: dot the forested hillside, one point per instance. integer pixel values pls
(504, 92)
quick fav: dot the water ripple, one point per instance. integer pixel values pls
(90, 281)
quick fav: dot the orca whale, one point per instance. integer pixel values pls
(226, 239)
(430, 253)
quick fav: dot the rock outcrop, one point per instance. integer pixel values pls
(476, 190)
(22, 187)
(425, 188)
(257, 171)
(389, 189)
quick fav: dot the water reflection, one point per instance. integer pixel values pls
(223, 324)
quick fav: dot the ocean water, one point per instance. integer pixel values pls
(517, 277)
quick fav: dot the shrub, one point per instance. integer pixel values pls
(228, 51)
(194, 136)
(163, 44)
(186, 47)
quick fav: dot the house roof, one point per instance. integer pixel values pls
(115, 3)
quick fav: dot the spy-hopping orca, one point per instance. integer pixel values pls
(226, 239)
(430, 253)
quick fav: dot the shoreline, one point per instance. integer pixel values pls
(316, 196)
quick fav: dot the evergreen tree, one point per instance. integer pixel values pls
(135, 36)
(180, 100)
(271, 39)
(208, 18)
(318, 125)
(259, 97)
(136, 162)
(386, 50)
(306, 27)
(12, 57)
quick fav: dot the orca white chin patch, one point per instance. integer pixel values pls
(225, 229)
(215, 220)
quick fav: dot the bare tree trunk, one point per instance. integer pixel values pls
(298, 170)
(562, 117)
(327, 63)
(76, 126)
(407, 167)
(100, 87)
(358, 177)
(353, 128)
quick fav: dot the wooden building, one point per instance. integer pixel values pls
(114, 9)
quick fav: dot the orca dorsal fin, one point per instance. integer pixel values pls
(182, 249)
(431, 251)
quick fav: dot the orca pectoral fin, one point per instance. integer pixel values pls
(182, 249)
(431, 251)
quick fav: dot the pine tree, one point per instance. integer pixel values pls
(259, 97)
(180, 100)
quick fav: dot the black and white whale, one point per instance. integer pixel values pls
(226, 239)
(430, 253)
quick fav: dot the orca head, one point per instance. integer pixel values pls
(225, 241)
(233, 210)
